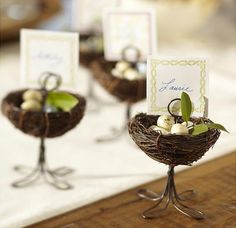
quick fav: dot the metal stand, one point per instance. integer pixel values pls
(52, 177)
(171, 196)
(117, 133)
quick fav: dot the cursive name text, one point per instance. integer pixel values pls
(171, 86)
(51, 59)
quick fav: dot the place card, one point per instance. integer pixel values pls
(87, 14)
(127, 27)
(46, 51)
(167, 78)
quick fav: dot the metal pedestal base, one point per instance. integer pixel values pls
(52, 177)
(169, 196)
(117, 133)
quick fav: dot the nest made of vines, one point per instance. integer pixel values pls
(171, 149)
(125, 90)
(86, 58)
(41, 124)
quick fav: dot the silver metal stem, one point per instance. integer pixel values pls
(171, 196)
(52, 177)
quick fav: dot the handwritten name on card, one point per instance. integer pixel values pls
(123, 28)
(168, 78)
(172, 86)
(43, 51)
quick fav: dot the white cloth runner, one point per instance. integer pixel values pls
(101, 169)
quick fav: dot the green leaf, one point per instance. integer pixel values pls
(198, 129)
(62, 100)
(186, 106)
(217, 126)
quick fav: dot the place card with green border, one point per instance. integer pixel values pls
(42, 51)
(167, 78)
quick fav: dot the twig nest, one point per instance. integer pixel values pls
(90, 52)
(179, 129)
(33, 95)
(116, 84)
(165, 121)
(95, 43)
(31, 105)
(159, 130)
(171, 149)
(91, 44)
(40, 123)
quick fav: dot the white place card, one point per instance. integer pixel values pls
(167, 78)
(87, 14)
(127, 27)
(42, 51)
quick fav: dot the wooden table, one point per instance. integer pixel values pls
(215, 182)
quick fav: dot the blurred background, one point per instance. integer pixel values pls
(187, 28)
(204, 27)
(194, 28)
(175, 19)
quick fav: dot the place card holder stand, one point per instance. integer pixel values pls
(172, 150)
(10, 108)
(127, 91)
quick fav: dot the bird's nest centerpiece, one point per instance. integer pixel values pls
(172, 140)
(124, 80)
(34, 112)
(91, 48)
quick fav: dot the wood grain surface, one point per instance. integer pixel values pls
(214, 181)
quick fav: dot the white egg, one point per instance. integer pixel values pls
(131, 74)
(122, 66)
(189, 124)
(160, 130)
(179, 129)
(31, 105)
(32, 95)
(165, 121)
(116, 73)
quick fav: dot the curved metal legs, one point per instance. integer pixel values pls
(117, 133)
(169, 195)
(52, 177)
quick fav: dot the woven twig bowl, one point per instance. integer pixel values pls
(125, 90)
(41, 124)
(170, 149)
(85, 57)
